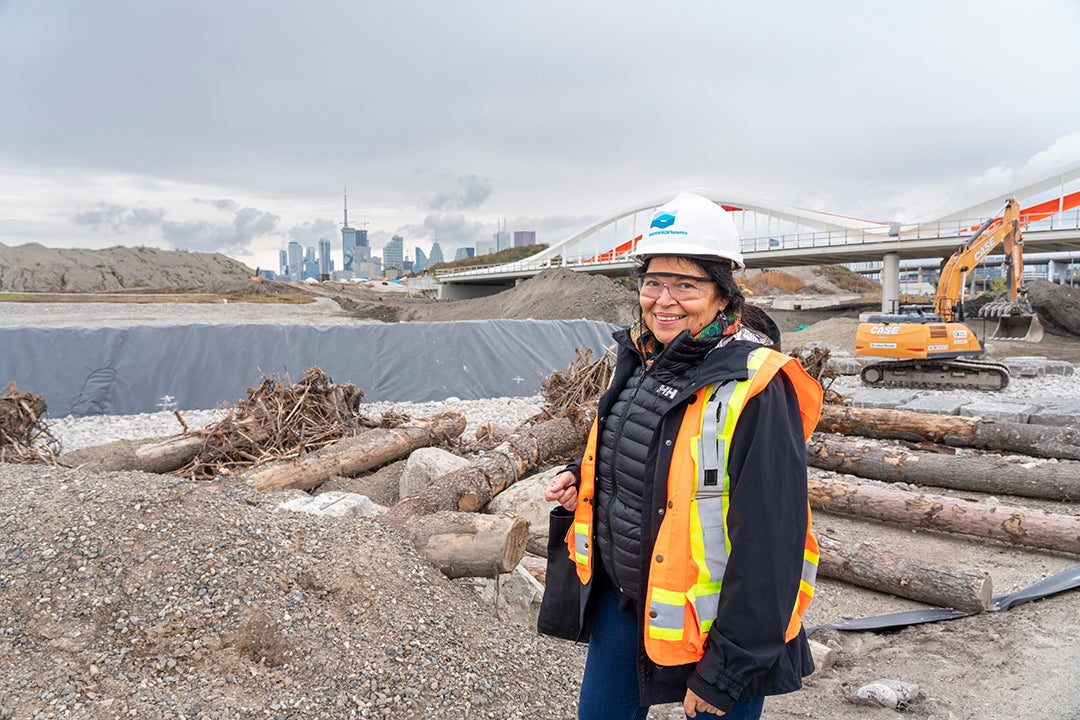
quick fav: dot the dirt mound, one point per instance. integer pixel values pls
(33, 267)
(134, 595)
(1058, 305)
(555, 294)
(838, 332)
(807, 280)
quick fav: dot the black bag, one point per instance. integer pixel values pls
(560, 609)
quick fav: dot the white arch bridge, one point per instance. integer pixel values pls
(775, 235)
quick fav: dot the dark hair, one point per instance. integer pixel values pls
(722, 276)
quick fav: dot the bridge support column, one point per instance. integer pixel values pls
(890, 283)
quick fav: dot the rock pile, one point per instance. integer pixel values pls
(135, 595)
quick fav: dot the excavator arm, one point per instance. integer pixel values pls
(949, 302)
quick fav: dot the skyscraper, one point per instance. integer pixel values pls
(524, 238)
(502, 238)
(348, 239)
(296, 260)
(362, 251)
(436, 254)
(394, 253)
(326, 263)
(421, 262)
(283, 263)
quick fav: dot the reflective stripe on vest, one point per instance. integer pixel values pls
(579, 536)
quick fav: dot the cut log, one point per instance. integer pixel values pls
(351, 456)
(152, 455)
(470, 488)
(824, 656)
(1035, 440)
(914, 579)
(1017, 526)
(535, 565)
(983, 472)
(469, 544)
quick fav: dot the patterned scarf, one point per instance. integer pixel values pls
(650, 347)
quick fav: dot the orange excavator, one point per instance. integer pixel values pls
(933, 347)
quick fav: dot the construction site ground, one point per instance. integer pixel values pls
(141, 596)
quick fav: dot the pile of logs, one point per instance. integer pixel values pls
(997, 458)
(929, 450)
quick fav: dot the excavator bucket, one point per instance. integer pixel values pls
(1016, 321)
(1022, 328)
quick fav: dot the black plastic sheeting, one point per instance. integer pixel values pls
(127, 370)
(1065, 580)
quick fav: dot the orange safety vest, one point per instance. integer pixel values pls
(692, 546)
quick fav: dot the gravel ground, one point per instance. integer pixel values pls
(1019, 389)
(129, 595)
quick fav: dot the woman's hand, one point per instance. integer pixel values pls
(693, 704)
(563, 489)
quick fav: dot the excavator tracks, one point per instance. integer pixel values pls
(957, 373)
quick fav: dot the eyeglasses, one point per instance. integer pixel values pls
(679, 287)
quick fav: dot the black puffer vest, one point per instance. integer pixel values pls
(626, 435)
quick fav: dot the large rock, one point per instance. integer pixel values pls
(525, 498)
(381, 485)
(518, 597)
(1035, 366)
(424, 466)
(883, 399)
(333, 504)
(999, 411)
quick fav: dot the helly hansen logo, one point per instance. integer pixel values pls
(667, 391)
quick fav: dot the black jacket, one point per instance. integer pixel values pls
(745, 655)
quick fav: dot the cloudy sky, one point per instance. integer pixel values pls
(233, 126)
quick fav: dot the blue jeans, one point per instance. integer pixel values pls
(609, 690)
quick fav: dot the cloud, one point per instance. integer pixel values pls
(468, 192)
(203, 236)
(1065, 151)
(220, 203)
(237, 235)
(250, 222)
(450, 229)
(309, 233)
(119, 218)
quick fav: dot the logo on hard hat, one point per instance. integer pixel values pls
(663, 220)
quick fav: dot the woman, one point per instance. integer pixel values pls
(691, 528)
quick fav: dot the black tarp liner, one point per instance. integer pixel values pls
(127, 370)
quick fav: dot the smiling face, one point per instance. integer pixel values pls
(665, 316)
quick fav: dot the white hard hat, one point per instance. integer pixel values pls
(691, 225)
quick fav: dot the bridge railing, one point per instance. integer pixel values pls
(1069, 220)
